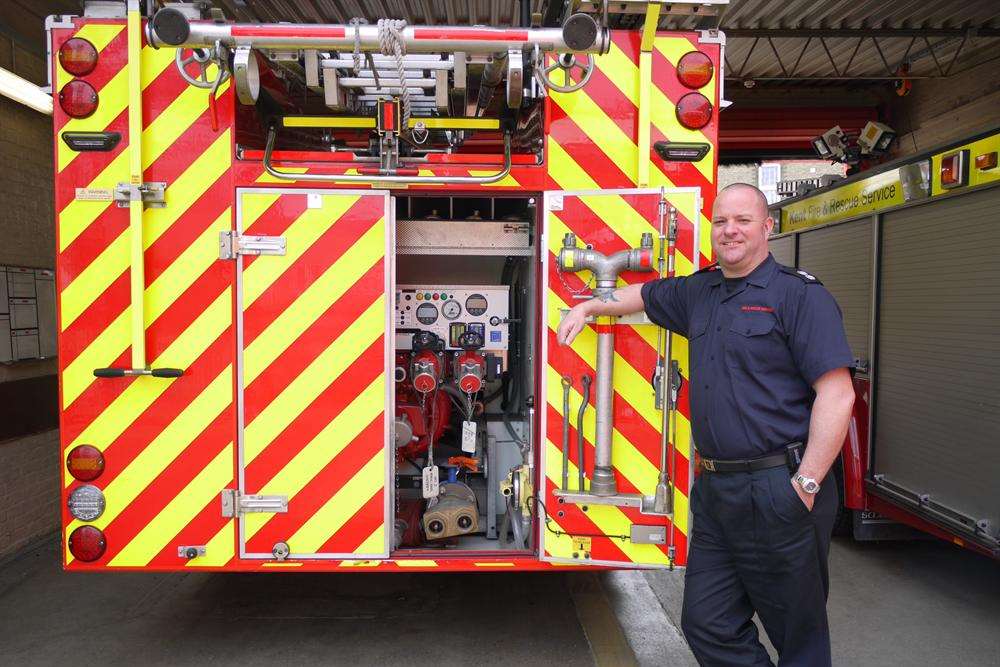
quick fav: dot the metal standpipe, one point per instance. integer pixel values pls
(605, 269)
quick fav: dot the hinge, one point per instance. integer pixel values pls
(152, 194)
(235, 503)
(232, 244)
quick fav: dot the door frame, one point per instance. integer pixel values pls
(389, 260)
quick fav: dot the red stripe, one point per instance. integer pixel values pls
(310, 266)
(287, 31)
(359, 527)
(576, 521)
(165, 408)
(199, 531)
(319, 336)
(321, 488)
(589, 157)
(471, 34)
(314, 417)
(171, 481)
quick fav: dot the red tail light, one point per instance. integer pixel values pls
(694, 69)
(85, 463)
(78, 56)
(78, 99)
(87, 544)
(694, 111)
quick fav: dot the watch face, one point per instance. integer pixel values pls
(808, 485)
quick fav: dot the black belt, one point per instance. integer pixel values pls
(791, 457)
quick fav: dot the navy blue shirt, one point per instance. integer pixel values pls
(755, 351)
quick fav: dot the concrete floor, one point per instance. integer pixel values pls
(921, 603)
(895, 603)
(48, 616)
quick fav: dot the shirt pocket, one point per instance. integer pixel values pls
(754, 340)
(697, 340)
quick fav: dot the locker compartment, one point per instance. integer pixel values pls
(20, 282)
(45, 301)
(25, 344)
(24, 312)
(5, 348)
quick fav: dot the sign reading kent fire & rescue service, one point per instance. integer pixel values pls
(878, 192)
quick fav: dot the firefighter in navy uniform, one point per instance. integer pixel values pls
(771, 398)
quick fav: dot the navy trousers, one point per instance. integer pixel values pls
(755, 547)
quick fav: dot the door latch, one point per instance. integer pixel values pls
(232, 244)
(235, 503)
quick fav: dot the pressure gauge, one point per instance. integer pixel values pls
(427, 313)
(476, 305)
(451, 309)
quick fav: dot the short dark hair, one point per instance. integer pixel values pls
(761, 198)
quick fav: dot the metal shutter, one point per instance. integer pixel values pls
(841, 257)
(937, 428)
(783, 249)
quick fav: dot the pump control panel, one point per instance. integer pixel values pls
(451, 310)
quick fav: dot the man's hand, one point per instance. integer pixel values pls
(622, 301)
(572, 324)
(808, 498)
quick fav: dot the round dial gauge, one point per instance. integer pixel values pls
(476, 305)
(427, 313)
(451, 309)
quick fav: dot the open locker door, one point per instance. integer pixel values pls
(314, 371)
(625, 529)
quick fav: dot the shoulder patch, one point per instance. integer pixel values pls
(802, 275)
(714, 266)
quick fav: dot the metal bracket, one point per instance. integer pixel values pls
(235, 504)
(232, 244)
(151, 194)
(634, 500)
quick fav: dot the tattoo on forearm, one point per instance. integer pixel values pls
(607, 296)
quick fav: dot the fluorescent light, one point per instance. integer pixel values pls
(25, 92)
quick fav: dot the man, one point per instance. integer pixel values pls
(769, 372)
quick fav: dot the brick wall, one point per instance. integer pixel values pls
(29, 476)
(26, 220)
(29, 490)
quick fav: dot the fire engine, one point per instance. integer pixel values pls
(909, 251)
(309, 278)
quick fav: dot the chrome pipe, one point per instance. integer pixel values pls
(169, 27)
(603, 481)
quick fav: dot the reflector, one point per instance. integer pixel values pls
(85, 463)
(78, 99)
(78, 56)
(694, 69)
(694, 111)
(87, 544)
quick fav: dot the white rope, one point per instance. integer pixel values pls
(357, 23)
(390, 39)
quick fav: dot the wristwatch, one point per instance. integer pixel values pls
(808, 484)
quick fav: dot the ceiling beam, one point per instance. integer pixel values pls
(817, 33)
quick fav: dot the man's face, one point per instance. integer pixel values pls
(740, 227)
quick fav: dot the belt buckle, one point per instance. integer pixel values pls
(708, 464)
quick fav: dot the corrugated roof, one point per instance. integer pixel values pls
(768, 40)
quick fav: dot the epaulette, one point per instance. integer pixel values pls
(714, 266)
(804, 276)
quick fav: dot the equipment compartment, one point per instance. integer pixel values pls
(465, 301)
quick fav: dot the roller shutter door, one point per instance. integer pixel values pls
(783, 249)
(937, 428)
(841, 257)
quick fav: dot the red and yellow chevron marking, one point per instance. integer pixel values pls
(593, 144)
(612, 222)
(593, 133)
(314, 372)
(169, 445)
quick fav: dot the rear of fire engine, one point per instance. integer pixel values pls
(310, 275)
